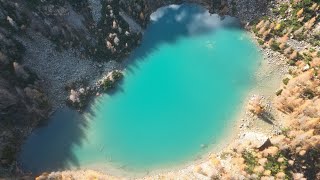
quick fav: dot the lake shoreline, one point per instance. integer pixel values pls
(244, 122)
(243, 119)
(40, 20)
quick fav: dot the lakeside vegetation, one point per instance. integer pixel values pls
(298, 145)
(295, 22)
(80, 94)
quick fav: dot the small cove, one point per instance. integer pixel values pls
(181, 91)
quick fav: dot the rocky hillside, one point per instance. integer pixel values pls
(23, 104)
(26, 27)
(99, 31)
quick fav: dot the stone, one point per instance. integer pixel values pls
(302, 152)
(306, 67)
(257, 140)
(116, 41)
(82, 90)
(267, 173)
(12, 22)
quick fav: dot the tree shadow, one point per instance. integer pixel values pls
(267, 117)
(171, 23)
(49, 148)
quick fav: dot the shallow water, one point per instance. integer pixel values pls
(181, 91)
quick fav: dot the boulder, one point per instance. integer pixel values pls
(257, 140)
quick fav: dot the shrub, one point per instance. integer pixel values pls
(275, 46)
(33, 3)
(285, 131)
(117, 75)
(307, 57)
(286, 81)
(275, 166)
(279, 92)
(283, 9)
(290, 72)
(107, 84)
(312, 50)
(250, 161)
(255, 30)
(260, 41)
(224, 155)
(292, 62)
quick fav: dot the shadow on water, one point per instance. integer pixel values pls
(169, 24)
(50, 148)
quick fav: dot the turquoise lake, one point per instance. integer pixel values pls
(182, 89)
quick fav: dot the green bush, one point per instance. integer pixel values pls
(283, 9)
(312, 50)
(292, 63)
(260, 41)
(275, 167)
(279, 92)
(290, 72)
(286, 81)
(250, 161)
(108, 84)
(117, 75)
(275, 46)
